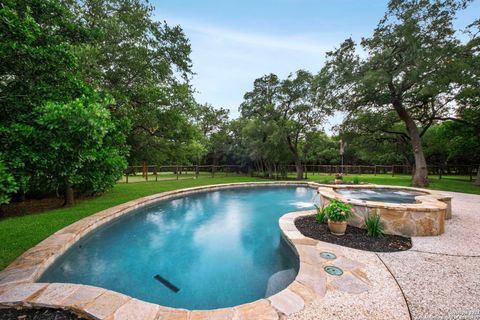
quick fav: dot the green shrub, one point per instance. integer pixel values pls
(374, 225)
(356, 180)
(337, 211)
(321, 217)
(7, 184)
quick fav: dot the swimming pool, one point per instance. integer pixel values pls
(219, 249)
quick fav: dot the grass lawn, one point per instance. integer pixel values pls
(18, 234)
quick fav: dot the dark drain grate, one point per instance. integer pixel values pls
(334, 271)
(167, 283)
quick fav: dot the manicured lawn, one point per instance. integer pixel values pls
(18, 234)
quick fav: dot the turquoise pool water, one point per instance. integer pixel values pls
(219, 249)
(382, 195)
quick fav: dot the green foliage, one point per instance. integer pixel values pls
(374, 225)
(356, 180)
(80, 145)
(321, 215)
(337, 211)
(406, 76)
(145, 65)
(284, 111)
(38, 67)
(7, 184)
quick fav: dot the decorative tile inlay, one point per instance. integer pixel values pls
(334, 271)
(328, 255)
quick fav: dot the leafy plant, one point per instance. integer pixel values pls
(338, 211)
(374, 225)
(7, 184)
(356, 180)
(321, 216)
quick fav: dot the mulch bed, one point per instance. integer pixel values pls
(38, 314)
(30, 206)
(356, 238)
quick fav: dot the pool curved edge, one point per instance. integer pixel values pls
(18, 287)
(426, 217)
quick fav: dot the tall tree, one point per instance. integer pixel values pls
(38, 65)
(291, 104)
(145, 65)
(78, 144)
(407, 69)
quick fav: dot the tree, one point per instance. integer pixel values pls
(78, 146)
(38, 66)
(290, 104)
(408, 69)
(468, 114)
(7, 184)
(145, 66)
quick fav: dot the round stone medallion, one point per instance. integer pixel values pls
(334, 271)
(328, 255)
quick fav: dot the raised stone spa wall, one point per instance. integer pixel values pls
(426, 217)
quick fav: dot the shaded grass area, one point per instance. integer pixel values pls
(18, 234)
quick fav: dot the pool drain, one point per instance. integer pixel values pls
(334, 271)
(328, 255)
(166, 283)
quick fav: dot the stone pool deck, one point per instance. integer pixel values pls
(437, 279)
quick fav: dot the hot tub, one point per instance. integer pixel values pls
(403, 211)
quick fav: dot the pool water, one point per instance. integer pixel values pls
(219, 249)
(383, 195)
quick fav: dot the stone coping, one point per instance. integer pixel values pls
(427, 200)
(19, 289)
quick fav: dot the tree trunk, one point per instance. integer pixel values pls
(477, 180)
(420, 175)
(269, 169)
(68, 196)
(299, 169)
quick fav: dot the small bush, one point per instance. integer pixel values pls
(321, 217)
(356, 180)
(374, 225)
(338, 211)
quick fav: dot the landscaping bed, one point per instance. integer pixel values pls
(356, 238)
(38, 314)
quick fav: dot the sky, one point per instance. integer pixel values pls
(235, 42)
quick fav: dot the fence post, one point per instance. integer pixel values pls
(471, 173)
(306, 171)
(226, 172)
(440, 172)
(213, 171)
(156, 173)
(176, 170)
(393, 171)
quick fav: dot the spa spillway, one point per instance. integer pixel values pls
(403, 211)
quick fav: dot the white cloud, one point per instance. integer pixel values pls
(226, 61)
